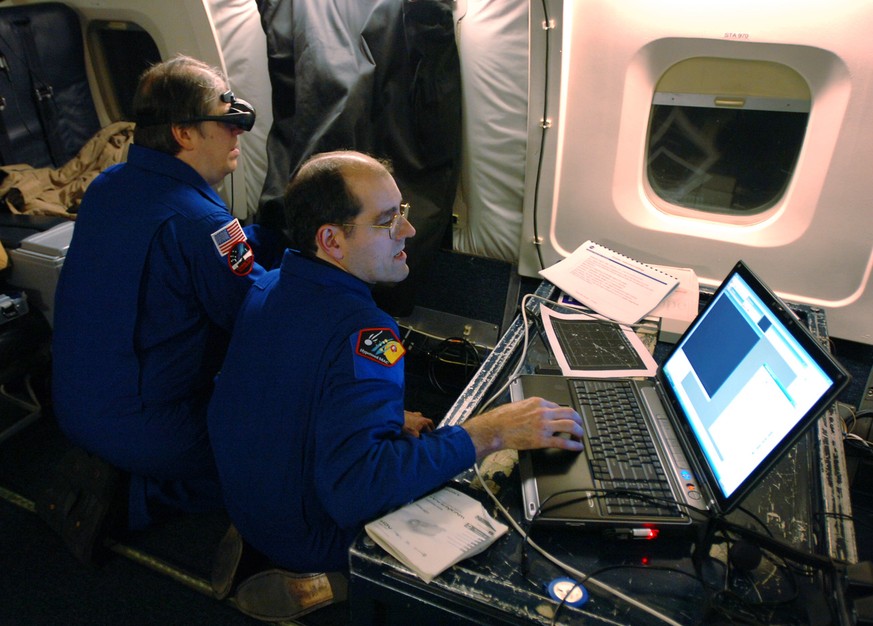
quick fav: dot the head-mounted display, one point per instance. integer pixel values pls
(240, 114)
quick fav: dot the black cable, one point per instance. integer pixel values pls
(756, 519)
(587, 494)
(584, 495)
(544, 127)
(839, 516)
(624, 566)
(724, 601)
(777, 547)
(859, 446)
(781, 566)
(231, 193)
(596, 573)
(461, 357)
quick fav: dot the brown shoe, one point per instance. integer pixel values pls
(234, 561)
(85, 500)
(226, 563)
(277, 595)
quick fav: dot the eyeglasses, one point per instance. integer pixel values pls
(393, 226)
(240, 114)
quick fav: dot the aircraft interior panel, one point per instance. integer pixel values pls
(492, 39)
(698, 136)
(594, 149)
(234, 41)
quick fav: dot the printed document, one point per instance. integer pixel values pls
(433, 533)
(610, 283)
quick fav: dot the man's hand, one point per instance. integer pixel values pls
(525, 425)
(414, 423)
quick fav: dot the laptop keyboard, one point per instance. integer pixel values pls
(622, 454)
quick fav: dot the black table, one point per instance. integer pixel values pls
(804, 503)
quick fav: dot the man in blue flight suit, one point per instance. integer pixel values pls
(147, 296)
(307, 420)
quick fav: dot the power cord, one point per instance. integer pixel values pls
(723, 602)
(452, 364)
(545, 124)
(578, 575)
(850, 438)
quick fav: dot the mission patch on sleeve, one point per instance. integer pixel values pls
(241, 259)
(380, 345)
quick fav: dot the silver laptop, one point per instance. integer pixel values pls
(736, 392)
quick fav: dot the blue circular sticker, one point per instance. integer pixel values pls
(568, 591)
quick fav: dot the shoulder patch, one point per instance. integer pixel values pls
(241, 258)
(380, 345)
(226, 237)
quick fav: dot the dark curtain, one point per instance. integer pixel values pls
(381, 77)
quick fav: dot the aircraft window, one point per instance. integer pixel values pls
(725, 134)
(122, 51)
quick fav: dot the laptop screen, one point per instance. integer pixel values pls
(747, 376)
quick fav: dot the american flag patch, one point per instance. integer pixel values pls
(228, 236)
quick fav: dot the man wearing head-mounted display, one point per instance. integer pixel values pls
(240, 113)
(147, 296)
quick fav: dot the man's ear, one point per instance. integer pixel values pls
(183, 135)
(329, 238)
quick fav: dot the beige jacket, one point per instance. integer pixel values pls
(49, 191)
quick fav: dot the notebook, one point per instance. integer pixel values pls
(737, 390)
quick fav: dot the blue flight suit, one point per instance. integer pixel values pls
(306, 418)
(144, 306)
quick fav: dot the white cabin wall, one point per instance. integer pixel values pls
(813, 246)
(244, 47)
(224, 33)
(585, 181)
(492, 39)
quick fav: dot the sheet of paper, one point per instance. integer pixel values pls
(587, 346)
(610, 283)
(679, 309)
(433, 533)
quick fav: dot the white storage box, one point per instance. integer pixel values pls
(37, 263)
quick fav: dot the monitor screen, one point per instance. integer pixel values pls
(746, 377)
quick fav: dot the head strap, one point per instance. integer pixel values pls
(240, 114)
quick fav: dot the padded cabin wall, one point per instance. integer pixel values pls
(41, 50)
(813, 246)
(493, 47)
(232, 41)
(243, 45)
(381, 77)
